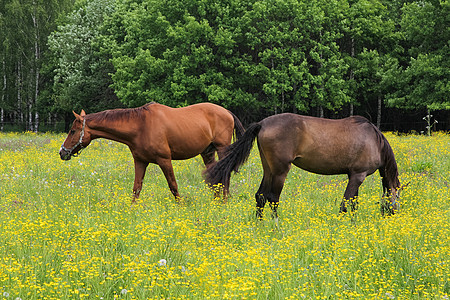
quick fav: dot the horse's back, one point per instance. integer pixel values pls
(189, 130)
(193, 113)
(201, 117)
(319, 145)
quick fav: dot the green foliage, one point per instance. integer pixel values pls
(424, 82)
(255, 57)
(82, 71)
(24, 28)
(259, 54)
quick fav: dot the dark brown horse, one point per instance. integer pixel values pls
(351, 146)
(157, 134)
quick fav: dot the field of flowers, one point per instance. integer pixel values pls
(68, 229)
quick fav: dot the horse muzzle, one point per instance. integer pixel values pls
(65, 155)
(395, 207)
(389, 208)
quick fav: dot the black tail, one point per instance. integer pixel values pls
(235, 155)
(238, 127)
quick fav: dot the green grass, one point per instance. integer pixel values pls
(69, 231)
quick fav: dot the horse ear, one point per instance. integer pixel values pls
(82, 113)
(79, 117)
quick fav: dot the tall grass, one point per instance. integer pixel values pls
(69, 231)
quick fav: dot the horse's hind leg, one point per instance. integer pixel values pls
(351, 192)
(277, 186)
(271, 186)
(209, 158)
(269, 190)
(209, 155)
(167, 168)
(261, 196)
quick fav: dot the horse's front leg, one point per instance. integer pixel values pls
(139, 173)
(208, 156)
(167, 168)
(351, 192)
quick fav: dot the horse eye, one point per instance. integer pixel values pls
(72, 131)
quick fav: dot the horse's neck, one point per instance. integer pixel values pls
(392, 177)
(391, 168)
(116, 131)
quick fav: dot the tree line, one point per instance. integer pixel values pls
(384, 59)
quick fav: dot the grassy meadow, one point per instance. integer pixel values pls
(68, 229)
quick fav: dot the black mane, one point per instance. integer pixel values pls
(118, 114)
(390, 169)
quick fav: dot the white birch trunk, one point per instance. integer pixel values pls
(19, 84)
(36, 69)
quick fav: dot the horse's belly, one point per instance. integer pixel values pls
(180, 153)
(320, 167)
(334, 167)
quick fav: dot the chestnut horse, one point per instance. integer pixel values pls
(157, 134)
(351, 146)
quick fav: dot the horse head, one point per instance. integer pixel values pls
(391, 206)
(77, 139)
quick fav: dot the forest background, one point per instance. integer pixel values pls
(387, 60)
